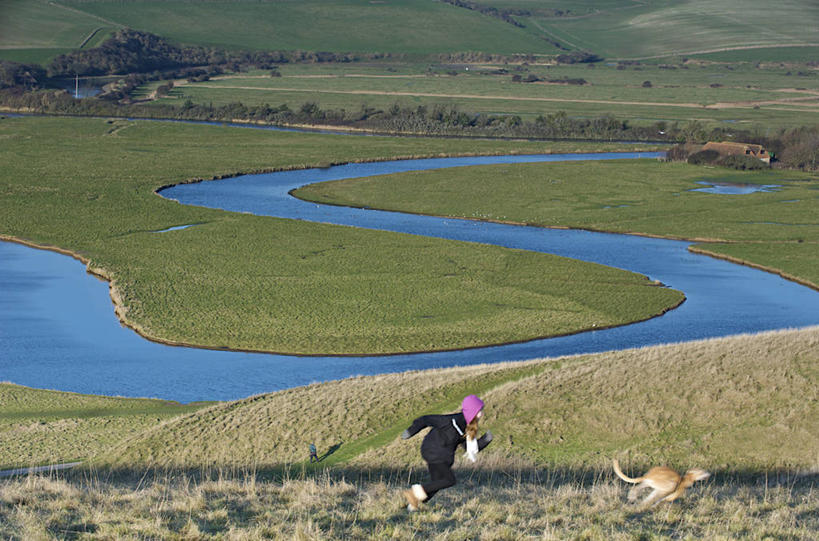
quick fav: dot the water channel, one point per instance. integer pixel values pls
(58, 330)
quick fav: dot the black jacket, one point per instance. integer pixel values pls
(448, 432)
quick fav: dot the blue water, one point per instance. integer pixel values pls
(176, 228)
(58, 329)
(735, 189)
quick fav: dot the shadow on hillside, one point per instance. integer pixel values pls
(330, 451)
(495, 476)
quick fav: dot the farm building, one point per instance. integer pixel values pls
(739, 149)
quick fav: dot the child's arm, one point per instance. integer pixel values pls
(484, 440)
(421, 423)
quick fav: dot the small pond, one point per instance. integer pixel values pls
(727, 188)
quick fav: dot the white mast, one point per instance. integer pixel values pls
(76, 85)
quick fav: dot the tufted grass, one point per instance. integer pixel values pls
(741, 407)
(259, 283)
(776, 229)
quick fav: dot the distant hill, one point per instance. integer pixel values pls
(612, 28)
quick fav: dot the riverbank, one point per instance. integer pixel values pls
(261, 296)
(651, 199)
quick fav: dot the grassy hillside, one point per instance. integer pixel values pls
(742, 402)
(33, 31)
(249, 282)
(775, 229)
(46, 427)
(742, 407)
(613, 29)
(406, 26)
(662, 28)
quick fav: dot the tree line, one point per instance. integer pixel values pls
(132, 51)
(795, 148)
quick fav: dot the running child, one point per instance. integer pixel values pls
(439, 446)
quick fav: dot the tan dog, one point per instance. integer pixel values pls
(667, 484)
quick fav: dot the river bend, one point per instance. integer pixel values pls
(58, 330)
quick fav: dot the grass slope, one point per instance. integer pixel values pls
(242, 281)
(613, 29)
(662, 28)
(34, 31)
(777, 229)
(743, 407)
(742, 402)
(508, 503)
(46, 427)
(407, 26)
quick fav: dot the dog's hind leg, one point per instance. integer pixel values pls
(654, 498)
(635, 490)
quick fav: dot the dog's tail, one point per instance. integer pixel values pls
(623, 476)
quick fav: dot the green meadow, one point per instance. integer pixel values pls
(663, 28)
(740, 407)
(414, 27)
(259, 283)
(34, 31)
(611, 29)
(765, 98)
(776, 229)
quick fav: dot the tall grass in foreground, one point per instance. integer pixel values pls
(500, 500)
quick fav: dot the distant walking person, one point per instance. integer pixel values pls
(439, 446)
(313, 453)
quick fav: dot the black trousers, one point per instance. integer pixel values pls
(441, 476)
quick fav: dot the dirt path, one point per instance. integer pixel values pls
(722, 50)
(458, 96)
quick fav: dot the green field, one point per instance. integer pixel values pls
(407, 26)
(663, 28)
(34, 31)
(766, 98)
(613, 29)
(259, 283)
(741, 407)
(777, 229)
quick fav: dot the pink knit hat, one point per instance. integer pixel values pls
(471, 406)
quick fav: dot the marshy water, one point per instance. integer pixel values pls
(58, 329)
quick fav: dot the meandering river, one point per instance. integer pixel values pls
(58, 330)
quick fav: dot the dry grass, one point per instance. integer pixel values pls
(493, 502)
(743, 407)
(277, 428)
(745, 401)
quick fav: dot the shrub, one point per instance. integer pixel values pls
(744, 163)
(677, 153)
(703, 157)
